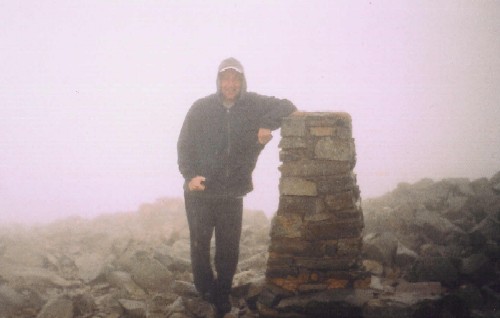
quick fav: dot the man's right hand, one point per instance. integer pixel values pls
(197, 184)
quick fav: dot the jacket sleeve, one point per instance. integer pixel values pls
(187, 151)
(274, 109)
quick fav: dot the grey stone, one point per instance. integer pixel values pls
(292, 142)
(286, 226)
(133, 308)
(435, 269)
(313, 168)
(151, 275)
(83, 305)
(293, 126)
(404, 256)
(59, 307)
(381, 247)
(91, 265)
(123, 280)
(331, 149)
(291, 204)
(297, 186)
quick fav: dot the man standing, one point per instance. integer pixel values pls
(219, 143)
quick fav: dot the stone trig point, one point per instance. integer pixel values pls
(314, 260)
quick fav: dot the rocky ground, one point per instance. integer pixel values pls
(447, 232)
(426, 241)
(121, 265)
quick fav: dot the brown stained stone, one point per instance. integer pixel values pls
(340, 201)
(362, 283)
(337, 283)
(289, 226)
(321, 131)
(288, 284)
(297, 186)
(299, 205)
(334, 149)
(313, 168)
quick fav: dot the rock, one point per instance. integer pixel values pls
(436, 228)
(196, 307)
(171, 262)
(496, 187)
(471, 295)
(151, 275)
(133, 308)
(257, 261)
(374, 267)
(342, 302)
(488, 229)
(83, 305)
(15, 304)
(123, 280)
(41, 277)
(478, 268)
(186, 289)
(91, 265)
(377, 308)
(434, 269)
(60, 307)
(381, 247)
(404, 256)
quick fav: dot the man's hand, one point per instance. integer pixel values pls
(197, 184)
(264, 136)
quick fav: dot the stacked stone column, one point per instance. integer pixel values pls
(316, 234)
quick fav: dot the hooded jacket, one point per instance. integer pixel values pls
(221, 144)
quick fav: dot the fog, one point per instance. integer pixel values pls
(93, 93)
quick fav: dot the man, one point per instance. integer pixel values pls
(219, 143)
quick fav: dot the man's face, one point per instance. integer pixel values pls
(230, 83)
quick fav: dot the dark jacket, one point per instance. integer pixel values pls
(222, 145)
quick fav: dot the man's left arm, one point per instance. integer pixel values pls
(274, 109)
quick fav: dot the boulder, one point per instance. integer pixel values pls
(133, 308)
(434, 269)
(60, 307)
(381, 247)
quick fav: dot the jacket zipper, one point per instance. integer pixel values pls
(228, 127)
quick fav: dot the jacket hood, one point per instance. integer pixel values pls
(236, 65)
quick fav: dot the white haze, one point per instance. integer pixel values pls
(93, 93)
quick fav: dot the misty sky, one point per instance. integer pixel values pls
(93, 93)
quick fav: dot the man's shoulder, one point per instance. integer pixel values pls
(205, 102)
(254, 96)
(212, 98)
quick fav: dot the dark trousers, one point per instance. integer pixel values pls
(224, 215)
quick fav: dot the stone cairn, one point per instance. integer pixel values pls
(316, 234)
